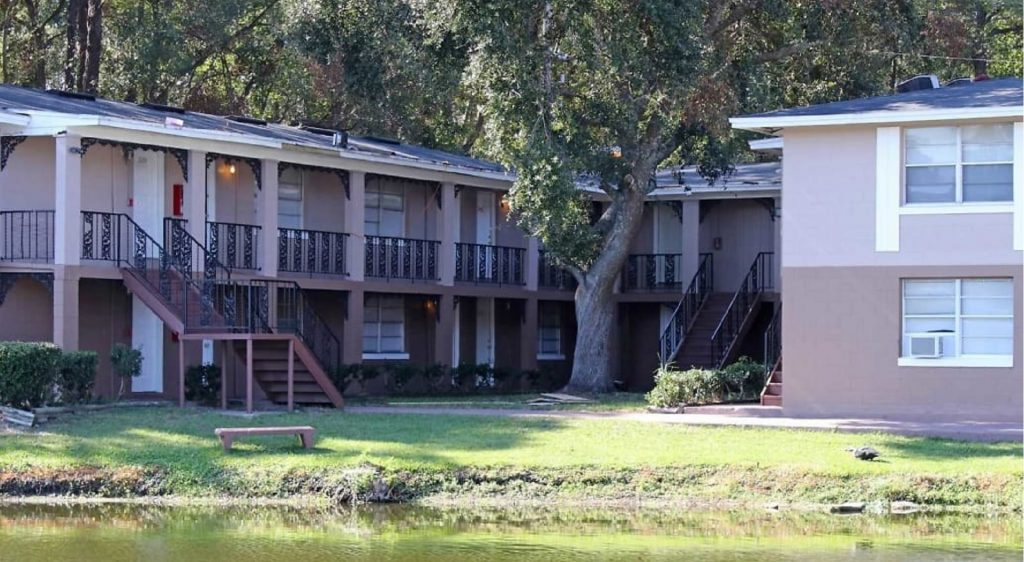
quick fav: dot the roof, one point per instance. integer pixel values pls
(761, 175)
(987, 98)
(17, 99)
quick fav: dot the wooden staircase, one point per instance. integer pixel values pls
(696, 348)
(270, 371)
(772, 393)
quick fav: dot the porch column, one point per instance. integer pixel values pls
(352, 336)
(532, 266)
(248, 375)
(691, 241)
(267, 201)
(445, 320)
(528, 345)
(777, 246)
(67, 241)
(448, 232)
(355, 211)
(65, 308)
(195, 196)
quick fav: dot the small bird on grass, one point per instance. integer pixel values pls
(864, 453)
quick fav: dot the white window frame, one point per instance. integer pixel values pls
(959, 360)
(541, 356)
(958, 205)
(378, 210)
(302, 195)
(393, 355)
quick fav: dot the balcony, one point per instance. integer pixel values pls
(652, 272)
(486, 264)
(235, 245)
(311, 251)
(408, 259)
(26, 236)
(551, 276)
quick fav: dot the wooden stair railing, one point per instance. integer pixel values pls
(674, 333)
(773, 360)
(742, 309)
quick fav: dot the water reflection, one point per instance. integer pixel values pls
(112, 533)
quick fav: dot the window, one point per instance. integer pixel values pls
(971, 164)
(289, 199)
(549, 336)
(385, 211)
(971, 318)
(384, 326)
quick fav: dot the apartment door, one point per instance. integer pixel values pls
(668, 239)
(485, 218)
(148, 212)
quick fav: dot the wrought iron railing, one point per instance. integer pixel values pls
(551, 276)
(26, 236)
(311, 251)
(772, 343)
(483, 263)
(652, 272)
(235, 245)
(401, 258)
(193, 257)
(701, 286)
(755, 283)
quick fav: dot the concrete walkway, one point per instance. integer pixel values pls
(965, 430)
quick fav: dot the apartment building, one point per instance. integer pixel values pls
(282, 252)
(902, 252)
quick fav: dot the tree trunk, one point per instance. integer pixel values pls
(592, 369)
(93, 46)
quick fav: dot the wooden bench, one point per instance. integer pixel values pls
(228, 434)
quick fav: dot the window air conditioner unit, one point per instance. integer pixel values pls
(926, 346)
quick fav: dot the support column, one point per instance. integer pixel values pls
(267, 201)
(181, 373)
(248, 375)
(532, 269)
(691, 241)
(65, 308)
(445, 320)
(195, 196)
(352, 337)
(67, 241)
(224, 375)
(448, 231)
(777, 247)
(528, 345)
(355, 212)
(291, 375)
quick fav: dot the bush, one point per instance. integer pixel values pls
(674, 388)
(127, 363)
(202, 384)
(76, 375)
(743, 380)
(27, 373)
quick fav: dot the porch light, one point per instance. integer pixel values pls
(231, 169)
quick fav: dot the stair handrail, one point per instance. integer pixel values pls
(179, 236)
(757, 280)
(772, 346)
(679, 324)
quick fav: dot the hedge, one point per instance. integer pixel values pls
(76, 375)
(28, 371)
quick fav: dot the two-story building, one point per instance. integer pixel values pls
(282, 253)
(902, 252)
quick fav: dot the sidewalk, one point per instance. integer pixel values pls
(964, 430)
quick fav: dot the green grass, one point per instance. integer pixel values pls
(613, 402)
(582, 456)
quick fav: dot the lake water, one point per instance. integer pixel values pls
(113, 533)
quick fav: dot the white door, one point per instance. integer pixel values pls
(485, 216)
(485, 330)
(668, 239)
(148, 213)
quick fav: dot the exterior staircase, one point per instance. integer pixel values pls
(206, 303)
(696, 348)
(741, 311)
(771, 395)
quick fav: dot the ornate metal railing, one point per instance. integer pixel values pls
(743, 304)
(551, 276)
(701, 286)
(235, 245)
(652, 272)
(483, 263)
(773, 343)
(311, 251)
(190, 253)
(401, 258)
(26, 236)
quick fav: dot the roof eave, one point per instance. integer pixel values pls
(771, 125)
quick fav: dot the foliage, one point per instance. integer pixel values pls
(127, 364)
(202, 384)
(28, 371)
(742, 380)
(76, 375)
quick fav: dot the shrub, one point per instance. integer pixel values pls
(743, 380)
(437, 378)
(674, 388)
(202, 384)
(401, 374)
(76, 375)
(127, 363)
(27, 373)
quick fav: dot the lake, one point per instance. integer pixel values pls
(117, 532)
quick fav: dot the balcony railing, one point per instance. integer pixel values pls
(311, 251)
(652, 272)
(235, 245)
(551, 276)
(483, 263)
(401, 258)
(26, 236)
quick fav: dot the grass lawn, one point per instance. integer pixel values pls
(612, 402)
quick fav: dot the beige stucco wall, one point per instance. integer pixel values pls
(745, 228)
(27, 312)
(27, 182)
